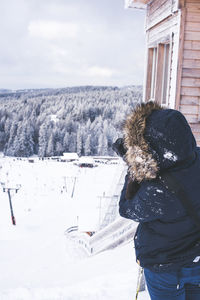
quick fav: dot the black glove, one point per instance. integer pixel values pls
(132, 188)
(119, 148)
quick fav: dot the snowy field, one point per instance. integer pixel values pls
(37, 261)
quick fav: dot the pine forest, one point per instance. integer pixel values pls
(49, 122)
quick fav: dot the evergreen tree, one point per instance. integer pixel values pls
(79, 142)
(87, 149)
(72, 142)
(23, 143)
(86, 120)
(12, 135)
(59, 149)
(103, 145)
(50, 146)
(66, 142)
(43, 140)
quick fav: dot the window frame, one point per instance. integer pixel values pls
(158, 73)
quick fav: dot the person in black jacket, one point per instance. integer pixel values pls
(167, 240)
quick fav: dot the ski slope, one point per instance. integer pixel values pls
(37, 261)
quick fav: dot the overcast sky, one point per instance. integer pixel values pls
(60, 43)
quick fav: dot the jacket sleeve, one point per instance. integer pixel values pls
(149, 203)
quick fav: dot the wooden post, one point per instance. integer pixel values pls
(73, 187)
(11, 208)
(8, 190)
(180, 57)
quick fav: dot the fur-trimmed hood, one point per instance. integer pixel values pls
(156, 139)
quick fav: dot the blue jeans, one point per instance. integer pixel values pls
(181, 285)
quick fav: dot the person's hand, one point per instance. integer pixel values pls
(119, 148)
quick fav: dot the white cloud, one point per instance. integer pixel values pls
(65, 43)
(52, 30)
(100, 71)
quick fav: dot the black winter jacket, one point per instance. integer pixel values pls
(160, 140)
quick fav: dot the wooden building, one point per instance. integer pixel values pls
(172, 68)
(69, 156)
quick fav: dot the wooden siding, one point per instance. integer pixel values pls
(196, 132)
(158, 10)
(167, 31)
(190, 82)
(162, 32)
(182, 29)
(173, 69)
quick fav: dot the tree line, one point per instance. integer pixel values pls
(86, 120)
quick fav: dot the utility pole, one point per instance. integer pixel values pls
(73, 187)
(74, 178)
(8, 190)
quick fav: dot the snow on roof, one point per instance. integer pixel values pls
(86, 160)
(135, 4)
(70, 155)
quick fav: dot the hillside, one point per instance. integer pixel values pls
(48, 122)
(38, 262)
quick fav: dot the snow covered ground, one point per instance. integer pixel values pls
(37, 261)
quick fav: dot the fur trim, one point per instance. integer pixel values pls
(142, 165)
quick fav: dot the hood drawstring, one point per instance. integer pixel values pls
(178, 279)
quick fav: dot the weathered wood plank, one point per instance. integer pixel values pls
(168, 23)
(192, 17)
(191, 118)
(189, 72)
(190, 109)
(180, 58)
(156, 4)
(192, 26)
(190, 100)
(190, 82)
(162, 11)
(190, 91)
(192, 45)
(196, 128)
(193, 9)
(191, 1)
(164, 29)
(192, 6)
(191, 54)
(191, 63)
(192, 36)
(158, 18)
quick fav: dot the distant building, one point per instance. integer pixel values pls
(172, 69)
(67, 156)
(86, 161)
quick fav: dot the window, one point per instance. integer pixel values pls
(153, 71)
(165, 79)
(157, 81)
